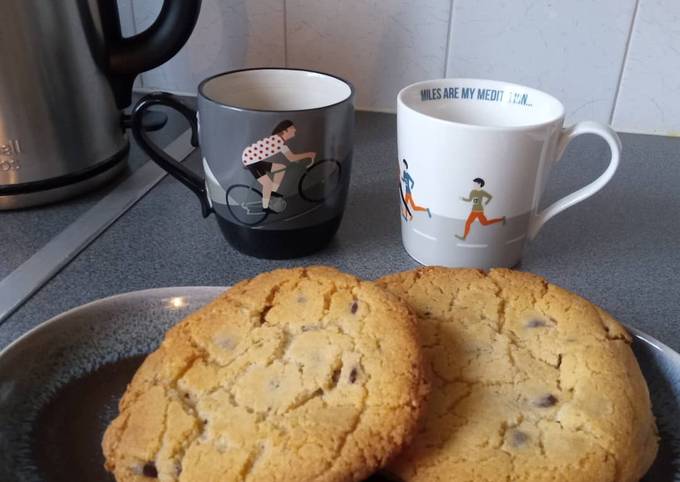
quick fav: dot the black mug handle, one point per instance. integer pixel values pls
(189, 178)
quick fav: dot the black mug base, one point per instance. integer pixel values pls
(283, 244)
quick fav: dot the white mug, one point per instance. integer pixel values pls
(474, 159)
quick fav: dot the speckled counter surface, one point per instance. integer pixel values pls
(620, 249)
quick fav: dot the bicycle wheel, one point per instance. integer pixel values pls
(320, 181)
(245, 204)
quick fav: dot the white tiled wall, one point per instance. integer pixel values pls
(380, 46)
(649, 94)
(572, 50)
(614, 61)
(127, 18)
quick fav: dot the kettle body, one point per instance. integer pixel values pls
(66, 74)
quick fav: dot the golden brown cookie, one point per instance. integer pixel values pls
(529, 383)
(297, 374)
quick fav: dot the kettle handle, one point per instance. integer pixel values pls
(128, 57)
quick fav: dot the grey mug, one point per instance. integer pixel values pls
(277, 151)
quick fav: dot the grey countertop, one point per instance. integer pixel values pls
(619, 249)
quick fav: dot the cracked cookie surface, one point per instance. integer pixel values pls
(529, 383)
(296, 374)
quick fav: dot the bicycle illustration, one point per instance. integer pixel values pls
(320, 181)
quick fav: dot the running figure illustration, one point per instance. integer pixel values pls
(260, 158)
(407, 195)
(477, 197)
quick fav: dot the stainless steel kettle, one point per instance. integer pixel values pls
(66, 73)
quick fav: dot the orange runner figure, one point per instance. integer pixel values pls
(408, 196)
(477, 198)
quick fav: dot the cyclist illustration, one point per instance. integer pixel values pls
(260, 158)
(477, 197)
(407, 195)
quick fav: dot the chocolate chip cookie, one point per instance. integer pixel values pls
(529, 383)
(297, 374)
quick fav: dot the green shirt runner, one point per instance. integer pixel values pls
(477, 197)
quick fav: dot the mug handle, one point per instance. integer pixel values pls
(187, 177)
(569, 133)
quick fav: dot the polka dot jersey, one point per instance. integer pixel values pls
(262, 149)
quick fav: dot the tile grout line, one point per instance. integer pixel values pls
(625, 60)
(285, 33)
(449, 33)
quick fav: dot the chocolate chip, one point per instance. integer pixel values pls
(546, 401)
(149, 470)
(353, 375)
(535, 323)
(427, 313)
(263, 315)
(335, 377)
(518, 438)
(301, 299)
(354, 307)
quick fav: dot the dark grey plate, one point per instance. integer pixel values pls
(60, 384)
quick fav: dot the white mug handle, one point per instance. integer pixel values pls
(569, 133)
